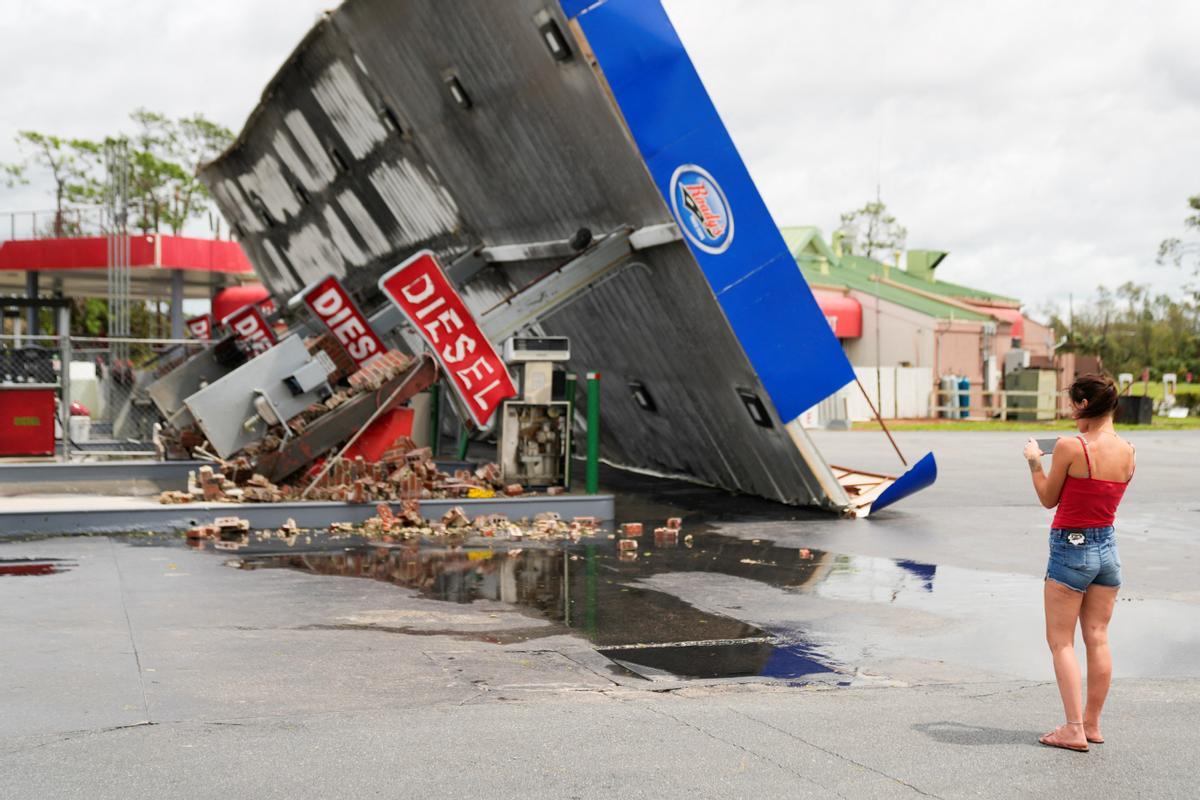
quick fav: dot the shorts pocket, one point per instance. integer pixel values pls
(1070, 555)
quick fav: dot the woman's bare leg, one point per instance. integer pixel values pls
(1094, 615)
(1062, 614)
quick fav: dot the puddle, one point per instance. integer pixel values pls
(592, 590)
(29, 567)
(728, 607)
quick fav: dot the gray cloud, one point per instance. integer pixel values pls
(1049, 147)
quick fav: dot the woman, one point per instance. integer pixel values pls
(1087, 480)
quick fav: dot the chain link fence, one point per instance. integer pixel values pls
(104, 386)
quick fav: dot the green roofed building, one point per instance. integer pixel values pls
(905, 329)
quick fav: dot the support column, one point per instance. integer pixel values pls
(31, 292)
(177, 304)
(63, 324)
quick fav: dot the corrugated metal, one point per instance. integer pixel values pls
(541, 153)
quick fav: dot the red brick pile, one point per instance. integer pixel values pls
(232, 533)
(403, 473)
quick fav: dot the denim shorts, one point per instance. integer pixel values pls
(1080, 557)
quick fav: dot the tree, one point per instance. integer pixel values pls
(1179, 251)
(1131, 329)
(871, 231)
(164, 155)
(71, 164)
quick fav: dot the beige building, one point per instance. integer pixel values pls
(921, 328)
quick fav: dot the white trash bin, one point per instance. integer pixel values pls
(81, 428)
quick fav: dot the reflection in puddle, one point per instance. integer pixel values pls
(718, 606)
(595, 590)
(27, 567)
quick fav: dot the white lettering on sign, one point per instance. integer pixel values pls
(253, 333)
(333, 305)
(420, 289)
(200, 327)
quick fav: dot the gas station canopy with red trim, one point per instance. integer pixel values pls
(81, 264)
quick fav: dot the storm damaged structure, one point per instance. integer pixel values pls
(565, 163)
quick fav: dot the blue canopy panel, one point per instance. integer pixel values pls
(704, 181)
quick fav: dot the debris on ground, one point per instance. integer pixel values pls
(666, 537)
(389, 524)
(227, 533)
(405, 472)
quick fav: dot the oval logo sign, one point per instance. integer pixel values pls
(701, 208)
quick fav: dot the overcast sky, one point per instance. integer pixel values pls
(1048, 146)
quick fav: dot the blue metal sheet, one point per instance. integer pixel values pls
(919, 476)
(703, 179)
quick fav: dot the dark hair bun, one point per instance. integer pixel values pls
(1100, 393)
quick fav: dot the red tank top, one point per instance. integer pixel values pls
(1088, 502)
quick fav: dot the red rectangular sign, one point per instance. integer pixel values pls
(27, 422)
(420, 289)
(200, 327)
(253, 333)
(331, 303)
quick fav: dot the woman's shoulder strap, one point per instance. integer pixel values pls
(1087, 458)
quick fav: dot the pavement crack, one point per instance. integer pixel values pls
(79, 734)
(835, 754)
(1012, 690)
(137, 658)
(742, 748)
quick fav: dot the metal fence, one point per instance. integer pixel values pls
(42, 224)
(1003, 404)
(102, 400)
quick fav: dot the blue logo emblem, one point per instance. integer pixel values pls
(701, 208)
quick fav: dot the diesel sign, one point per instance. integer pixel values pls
(200, 327)
(330, 303)
(420, 289)
(253, 333)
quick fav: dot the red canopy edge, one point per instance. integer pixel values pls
(151, 250)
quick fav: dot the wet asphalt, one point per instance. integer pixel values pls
(777, 651)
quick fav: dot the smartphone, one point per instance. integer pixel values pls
(1047, 445)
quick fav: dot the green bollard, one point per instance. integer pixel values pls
(593, 433)
(464, 440)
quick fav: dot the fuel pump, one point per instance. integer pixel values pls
(535, 432)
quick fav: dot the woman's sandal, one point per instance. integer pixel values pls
(1050, 740)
